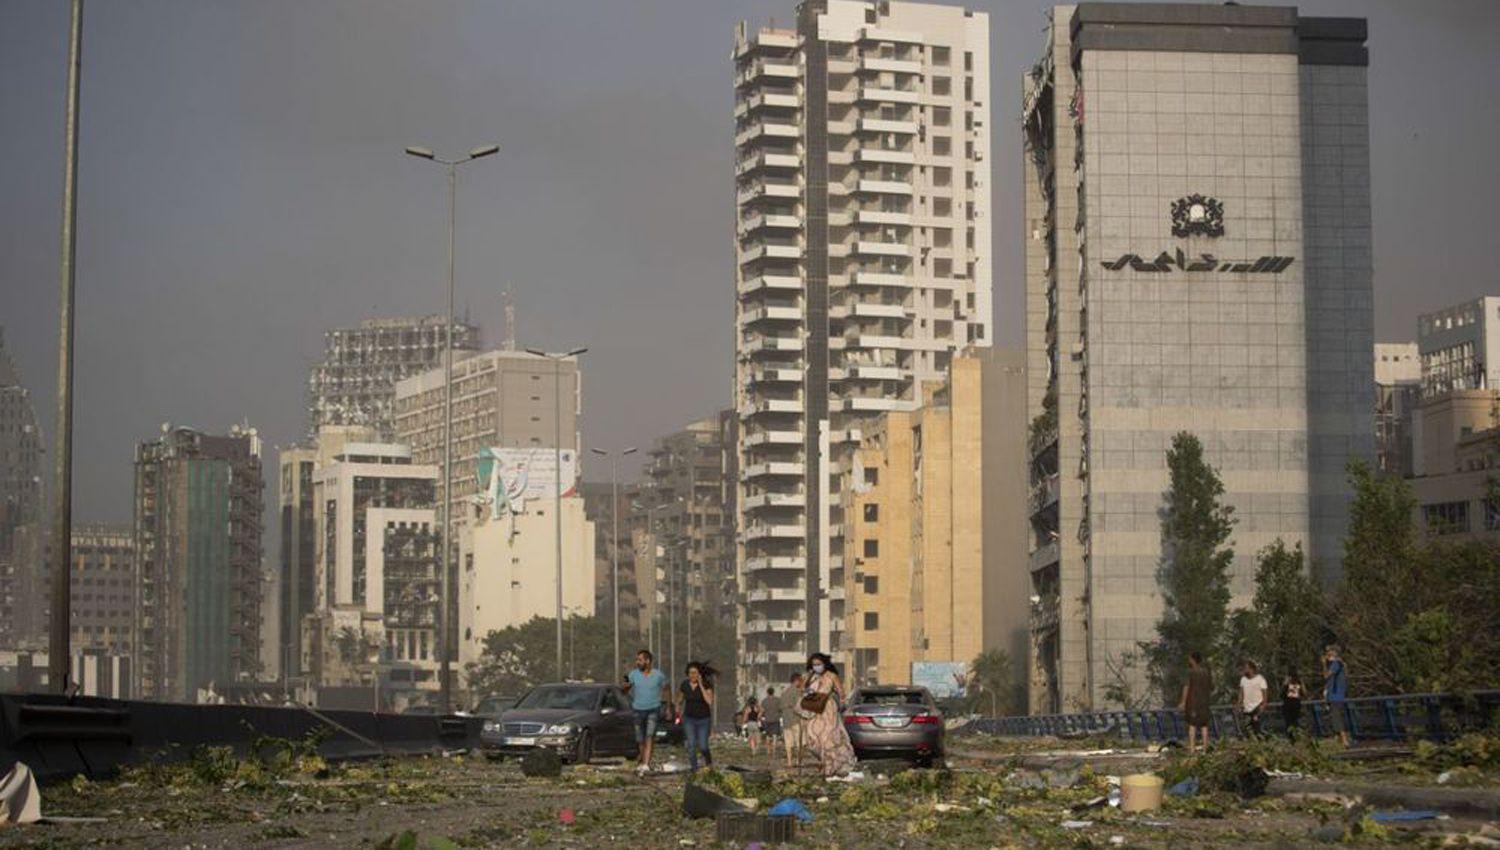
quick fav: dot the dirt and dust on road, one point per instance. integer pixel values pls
(993, 793)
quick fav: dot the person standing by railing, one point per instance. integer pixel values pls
(1291, 704)
(1253, 690)
(1336, 690)
(1194, 705)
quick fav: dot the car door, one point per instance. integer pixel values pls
(618, 723)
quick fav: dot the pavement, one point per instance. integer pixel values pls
(998, 793)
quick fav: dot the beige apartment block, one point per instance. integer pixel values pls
(935, 536)
(1198, 259)
(506, 399)
(862, 264)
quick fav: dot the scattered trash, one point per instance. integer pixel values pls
(1402, 817)
(20, 801)
(791, 806)
(750, 803)
(1027, 779)
(1059, 779)
(1140, 792)
(1186, 788)
(752, 777)
(1117, 840)
(949, 807)
(1098, 802)
(566, 817)
(1076, 824)
(1285, 774)
(744, 826)
(1114, 797)
(1156, 823)
(699, 802)
(1445, 777)
(674, 766)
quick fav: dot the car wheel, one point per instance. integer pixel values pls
(583, 751)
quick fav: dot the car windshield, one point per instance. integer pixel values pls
(493, 705)
(890, 698)
(559, 696)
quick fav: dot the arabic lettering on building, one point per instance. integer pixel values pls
(1167, 262)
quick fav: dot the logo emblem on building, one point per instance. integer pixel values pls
(1196, 215)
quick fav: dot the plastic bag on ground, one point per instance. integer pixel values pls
(20, 801)
(792, 806)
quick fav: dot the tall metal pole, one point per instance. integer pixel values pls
(58, 649)
(614, 548)
(557, 509)
(445, 699)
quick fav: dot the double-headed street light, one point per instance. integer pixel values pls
(614, 543)
(444, 650)
(557, 358)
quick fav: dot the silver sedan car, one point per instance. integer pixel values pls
(894, 721)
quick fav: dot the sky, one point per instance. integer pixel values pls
(242, 189)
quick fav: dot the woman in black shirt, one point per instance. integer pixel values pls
(696, 705)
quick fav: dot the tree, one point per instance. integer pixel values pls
(516, 658)
(994, 688)
(1283, 629)
(1194, 570)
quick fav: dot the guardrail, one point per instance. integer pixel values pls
(58, 737)
(1400, 717)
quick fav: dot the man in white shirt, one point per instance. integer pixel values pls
(1253, 697)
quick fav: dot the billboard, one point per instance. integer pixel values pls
(509, 478)
(945, 679)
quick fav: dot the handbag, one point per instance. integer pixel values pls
(814, 703)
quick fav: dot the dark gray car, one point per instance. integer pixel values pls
(580, 721)
(894, 721)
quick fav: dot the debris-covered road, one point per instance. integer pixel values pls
(995, 793)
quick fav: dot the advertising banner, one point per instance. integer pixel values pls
(509, 478)
(945, 679)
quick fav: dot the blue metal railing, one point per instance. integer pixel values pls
(1399, 717)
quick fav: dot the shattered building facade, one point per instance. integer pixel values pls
(356, 382)
(23, 509)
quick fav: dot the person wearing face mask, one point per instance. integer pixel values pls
(822, 698)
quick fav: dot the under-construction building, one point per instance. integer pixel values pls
(356, 382)
(198, 500)
(22, 513)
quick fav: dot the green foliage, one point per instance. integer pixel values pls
(1476, 750)
(1413, 615)
(1283, 629)
(1194, 570)
(1220, 768)
(994, 687)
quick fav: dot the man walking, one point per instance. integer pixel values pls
(648, 689)
(1336, 690)
(791, 721)
(1252, 696)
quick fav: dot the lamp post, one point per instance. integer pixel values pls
(614, 541)
(445, 687)
(557, 358)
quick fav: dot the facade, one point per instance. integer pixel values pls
(862, 263)
(103, 591)
(603, 505)
(355, 384)
(1455, 501)
(507, 399)
(376, 580)
(23, 512)
(1198, 259)
(198, 502)
(935, 531)
(509, 571)
(1460, 347)
(1398, 382)
(686, 495)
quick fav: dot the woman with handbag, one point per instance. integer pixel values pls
(821, 703)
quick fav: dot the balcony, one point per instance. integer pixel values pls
(776, 438)
(779, 657)
(765, 68)
(765, 160)
(866, 404)
(781, 562)
(880, 155)
(887, 125)
(775, 500)
(883, 34)
(1044, 493)
(766, 130)
(771, 313)
(882, 249)
(773, 39)
(762, 343)
(761, 250)
(763, 189)
(777, 594)
(770, 405)
(881, 279)
(877, 64)
(848, 435)
(769, 221)
(1045, 613)
(770, 281)
(879, 95)
(859, 340)
(879, 310)
(883, 187)
(766, 100)
(773, 376)
(1044, 556)
(773, 469)
(879, 373)
(901, 219)
(762, 626)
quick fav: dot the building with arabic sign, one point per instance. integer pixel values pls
(1198, 259)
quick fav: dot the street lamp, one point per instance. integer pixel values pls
(445, 687)
(557, 358)
(614, 542)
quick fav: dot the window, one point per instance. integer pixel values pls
(968, 61)
(872, 512)
(942, 146)
(942, 207)
(941, 56)
(872, 621)
(942, 86)
(1491, 515)
(872, 585)
(1446, 517)
(942, 176)
(942, 116)
(872, 548)
(872, 476)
